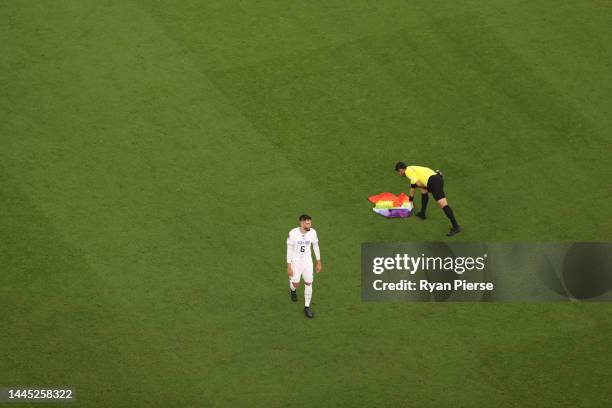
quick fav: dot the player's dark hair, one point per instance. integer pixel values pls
(400, 165)
(305, 217)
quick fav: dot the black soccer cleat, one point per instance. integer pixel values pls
(421, 215)
(308, 312)
(454, 231)
(293, 295)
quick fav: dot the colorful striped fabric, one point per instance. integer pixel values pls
(390, 205)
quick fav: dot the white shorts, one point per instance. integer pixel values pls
(301, 270)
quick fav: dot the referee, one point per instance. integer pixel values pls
(428, 181)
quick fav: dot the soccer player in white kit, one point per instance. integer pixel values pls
(299, 260)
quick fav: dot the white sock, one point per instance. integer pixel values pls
(291, 286)
(307, 294)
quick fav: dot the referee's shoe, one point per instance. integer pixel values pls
(454, 231)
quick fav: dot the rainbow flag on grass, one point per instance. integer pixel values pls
(390, 205)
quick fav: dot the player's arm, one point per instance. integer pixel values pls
(414, 183)
(412, 178)
(290, 249)
(317, 251)
(412, 190)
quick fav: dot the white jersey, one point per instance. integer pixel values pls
(298, 245)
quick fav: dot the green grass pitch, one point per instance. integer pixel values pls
(154, 155)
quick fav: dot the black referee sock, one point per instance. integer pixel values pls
(424, 200)
(449, 213)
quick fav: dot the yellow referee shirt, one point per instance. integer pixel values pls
(419, 174)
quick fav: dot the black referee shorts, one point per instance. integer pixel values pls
(435, 185)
